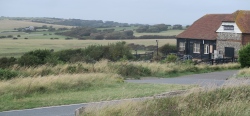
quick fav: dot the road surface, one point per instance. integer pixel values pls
(217, 78)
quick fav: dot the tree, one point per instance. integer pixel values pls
(178, 27)
(244, 56)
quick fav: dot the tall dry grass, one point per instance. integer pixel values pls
(124, 68)
(244, 73)
(228, 100)
(52, 83)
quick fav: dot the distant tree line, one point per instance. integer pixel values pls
(152, 29)
(92, 33)
(45, 27)
(83, 23)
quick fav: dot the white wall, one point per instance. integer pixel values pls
(236, 28)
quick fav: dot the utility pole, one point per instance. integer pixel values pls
(157, 47)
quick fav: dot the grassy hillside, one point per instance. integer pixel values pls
(11, 24)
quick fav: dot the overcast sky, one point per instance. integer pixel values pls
(125, 11)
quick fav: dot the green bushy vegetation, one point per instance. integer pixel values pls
(93, 53)
(244, 56)
(90, 54)
(6, 74)
(130, 70)
(7, 62)
(34, 58)
(167, 48)
(226, 101)
(171, 58)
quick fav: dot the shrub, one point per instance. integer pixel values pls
(2, 36)
(18, 35)
(130, 70)
(7, 62)
(9, 36)
(70, 55)
(117, 51)
(34, 58)
(113, 52)
(26, 38)
(244, 56)
(167, 48)
(7, 74)
(171, 58)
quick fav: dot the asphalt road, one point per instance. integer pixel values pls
(65, 110)
(214, 78)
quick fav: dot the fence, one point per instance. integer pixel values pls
(219, 60)
(145, 56)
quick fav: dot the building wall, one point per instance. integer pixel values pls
(189, 47)
(229, 40)
(246, 39)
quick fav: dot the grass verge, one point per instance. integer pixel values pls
(225, 101)
(31, 92)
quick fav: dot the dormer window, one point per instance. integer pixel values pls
(228, 27)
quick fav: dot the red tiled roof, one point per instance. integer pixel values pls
(205, 27)
(242, 19)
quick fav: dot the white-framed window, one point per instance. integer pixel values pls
(182, 46)
(228, 27)
(206, 49)
(196, 48)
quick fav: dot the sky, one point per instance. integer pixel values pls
(183, 12)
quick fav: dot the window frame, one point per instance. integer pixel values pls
(196, 48)
(206, 49)
(228, 27)
(182, 46)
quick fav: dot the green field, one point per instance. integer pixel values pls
(164, 33)
(9, 47)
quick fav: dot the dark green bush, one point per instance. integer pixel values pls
(167, 48)
(131, 70)
(70, 55)
(244, 56)
(7, 74)
(171, 58)
(93, 53)
(34, 58)
(7, 62)
(117, 51)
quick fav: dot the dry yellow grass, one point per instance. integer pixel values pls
(11, 24)
(55, 83)
(104, 66)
